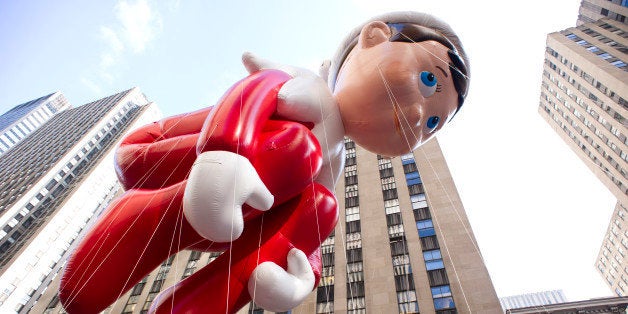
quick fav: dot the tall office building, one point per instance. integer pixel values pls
(593, 10)
(403, 244)
(584, 98)
(24, 119)
(536, 299)
(55, 182)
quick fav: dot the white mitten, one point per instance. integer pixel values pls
(219, 183)
(307, 98)
(277, 290)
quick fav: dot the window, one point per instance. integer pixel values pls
(431, 255)
(413, 178)
(385, 173)
(353, 226)
(409, 167)
(398, 247)
(441, 291)
(425, 227)
(391, 206)
(418, 201)
(354, 255)
(351, 191)
(444, 303)
(421, 214)
(435, 264)
(393, 219)
(324, 294)
(437, 277)
(355, 289)
(404, 283)
(390, 194)
(352, 201)
(429, 243)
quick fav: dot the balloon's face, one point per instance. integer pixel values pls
(394, 96)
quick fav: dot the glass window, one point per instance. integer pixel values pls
(434, 264)
(426, 232)
(444, 303)
(424, 224)
(431, 255)
(441, 291)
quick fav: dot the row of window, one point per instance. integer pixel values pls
(23, 224)
(441, 292)
(589, 153)
(597, 51)
(42, 203)
(402, 270)
(23, 128)
(584, 119)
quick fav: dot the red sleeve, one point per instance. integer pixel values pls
(161, 153)
(241, 114)
(317, 265)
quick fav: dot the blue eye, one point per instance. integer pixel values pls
(427, 83)
(432, 122)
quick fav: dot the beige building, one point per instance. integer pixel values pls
(593, 10)
(403, 244)
(584, 98)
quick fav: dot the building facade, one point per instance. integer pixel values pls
(24, 119)
(593, 10)
(584, 98)
(403, 244)
(533, 299)
(593, 306)
(612, 262)
(55, 184)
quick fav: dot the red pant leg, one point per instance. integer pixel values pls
(139, 230)
(221, 286)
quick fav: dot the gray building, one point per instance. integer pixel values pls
(55, 183)
(24, 119)
(533, 299)
(593, 306)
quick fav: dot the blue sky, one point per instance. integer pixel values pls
(539, 215)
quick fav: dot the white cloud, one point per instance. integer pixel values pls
(91, 85)
(137, 24)
(111, 39)
(140, 24)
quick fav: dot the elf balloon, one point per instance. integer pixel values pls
(253, 176)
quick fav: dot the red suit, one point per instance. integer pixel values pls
(146, 225)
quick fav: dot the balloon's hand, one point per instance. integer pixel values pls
(306, 97)
(277, 290)
(219, 184)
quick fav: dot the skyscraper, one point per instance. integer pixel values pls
(591, 11)
(402, 244)
(54, 184)
(24, 119)
(584, 98)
